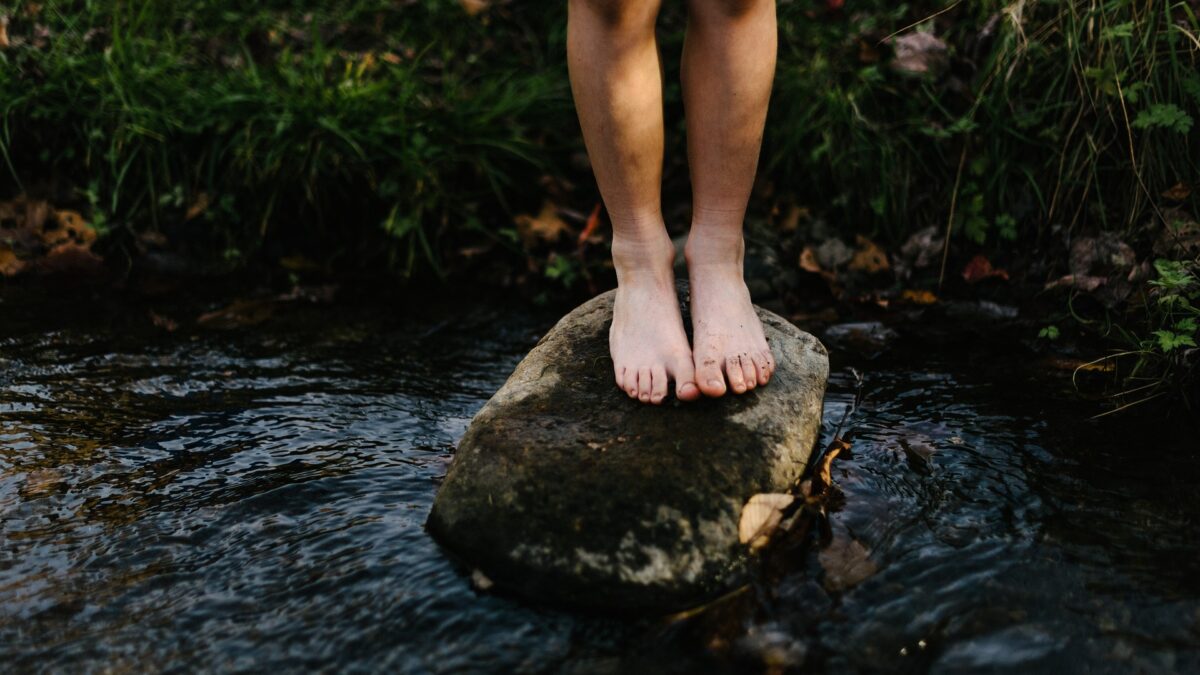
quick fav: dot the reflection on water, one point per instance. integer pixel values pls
(253, 497)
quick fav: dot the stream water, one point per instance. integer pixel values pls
(254, 498)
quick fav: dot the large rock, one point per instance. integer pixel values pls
(565, 490)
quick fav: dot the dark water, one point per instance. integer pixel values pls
(253, 499)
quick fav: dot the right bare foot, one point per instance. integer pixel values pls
(648, 344)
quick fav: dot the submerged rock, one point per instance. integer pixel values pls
(567, 491)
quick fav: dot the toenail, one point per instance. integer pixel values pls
(714, 383)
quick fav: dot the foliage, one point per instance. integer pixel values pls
(322, 122)
(419, 120)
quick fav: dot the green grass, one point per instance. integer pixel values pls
(334, 123)
(372, 133)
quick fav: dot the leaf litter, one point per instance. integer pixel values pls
(773, 520)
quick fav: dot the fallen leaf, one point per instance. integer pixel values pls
(238, 313)
(919, 54)
(1078, 282)
(918, 297)
(4, 32)
(1102, 255)
(165, 323)
(589, 229)
(869, 257)
(823, 478)
(1180, 236)
(481, 581)
(1073, 365)
(198, 207)
(75, 226)
(547, 226)
(980, 268)
(847, 563)
(760, 517)
(791, 222)
(10, 265)
(1178, 193)
(473, 7)
(70, 258)
(808, 261)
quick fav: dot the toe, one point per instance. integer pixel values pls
(658, 379)
(620, 375)
(764, 368)
(709, 378)
(749, 371)
(733, 370)
(685, 379)
(644, 385)
(629, 382)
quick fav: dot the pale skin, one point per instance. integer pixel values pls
(616, 78)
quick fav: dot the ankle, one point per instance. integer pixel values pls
(718, 248)
(647, 255)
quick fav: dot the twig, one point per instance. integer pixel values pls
(918, 23)
(962, 160)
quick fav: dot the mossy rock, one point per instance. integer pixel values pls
(565, 490)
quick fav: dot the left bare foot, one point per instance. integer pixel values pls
(729, 348)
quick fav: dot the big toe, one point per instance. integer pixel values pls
(685, 379)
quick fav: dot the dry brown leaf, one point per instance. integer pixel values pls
(238, 313)
(70, 258)
(4, 32)
(166, 323)
(474, 7)
(10, 265)
(847, 563)
(808, 261)
(481, 581)
(1179, 192)
(198, 207)
(593, 222)
(824, 475)
(791, 222)
(760, 517)
(980, 268)
(75, 226)
(918, 297)
(869, 257)
(547, 226)
(1081, 282)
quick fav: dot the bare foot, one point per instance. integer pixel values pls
(729, 348)
(648, 344)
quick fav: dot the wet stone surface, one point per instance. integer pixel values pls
(566, 490)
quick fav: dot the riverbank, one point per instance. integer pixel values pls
(436, 140)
